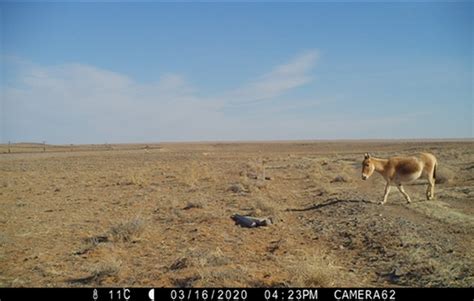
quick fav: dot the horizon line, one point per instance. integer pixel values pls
(255, 141)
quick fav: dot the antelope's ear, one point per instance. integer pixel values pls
(366, 156)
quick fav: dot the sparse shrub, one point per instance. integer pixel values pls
(236, 188)
(107, 268)
(91, 243)
(127, 231)
(215, 258)
(263, 207)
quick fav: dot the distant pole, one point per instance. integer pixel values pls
(9, 147)
(44, 146)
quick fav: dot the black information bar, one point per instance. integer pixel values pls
(243, 294)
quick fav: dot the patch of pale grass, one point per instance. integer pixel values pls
(97, 272)
(263, 207)
(204, 258)
(106, 268)
(309, 270)
(191, 175)
(195, 173)
(438, 210)
(134, 179)
(127, 231)
(228, 276)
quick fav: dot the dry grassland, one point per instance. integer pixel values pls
(130, 215)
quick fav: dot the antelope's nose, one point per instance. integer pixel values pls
(364, 177)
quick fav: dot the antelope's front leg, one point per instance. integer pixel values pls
(407, 197)
(387, 191)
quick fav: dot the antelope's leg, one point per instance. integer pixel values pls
(430, 188)
(407, 197)
(387, 191)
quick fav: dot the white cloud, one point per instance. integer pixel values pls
(280, 80)
(81, 103)
(78, 103)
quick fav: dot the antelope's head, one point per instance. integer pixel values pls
(368, 166)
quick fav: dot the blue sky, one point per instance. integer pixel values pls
(136, 72)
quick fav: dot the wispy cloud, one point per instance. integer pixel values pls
(74, 102)
(281, 79)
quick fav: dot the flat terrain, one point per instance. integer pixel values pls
(131, 215)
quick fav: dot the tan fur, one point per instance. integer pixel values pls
(399, 170)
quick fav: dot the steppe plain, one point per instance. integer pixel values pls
(159, 215)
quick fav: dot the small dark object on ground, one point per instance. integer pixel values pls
(179, 264)
(192, 205)
(393, 276)
(186, 281)
(236, 188)
(249, 222)
(338, 179)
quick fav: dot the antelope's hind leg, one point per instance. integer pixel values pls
(430, 189)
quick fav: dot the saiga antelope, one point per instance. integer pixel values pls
(400, 170)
